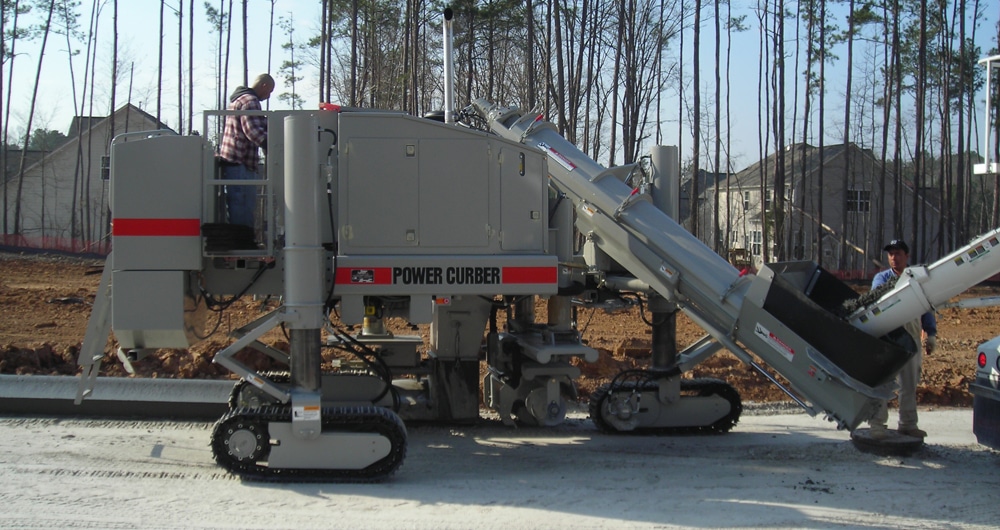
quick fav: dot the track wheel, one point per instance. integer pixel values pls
(241, 441)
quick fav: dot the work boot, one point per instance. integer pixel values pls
(878, 432)
(913, 431)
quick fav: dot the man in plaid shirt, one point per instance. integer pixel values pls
(238, 154)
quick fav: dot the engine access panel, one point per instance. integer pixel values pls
(410, 186)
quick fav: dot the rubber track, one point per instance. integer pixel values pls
(368, 419)
(704, 387)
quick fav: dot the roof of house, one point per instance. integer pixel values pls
(800, 159)
(82, 125)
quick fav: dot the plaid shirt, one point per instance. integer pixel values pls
(244, 134)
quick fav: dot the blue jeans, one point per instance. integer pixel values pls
(240, 200)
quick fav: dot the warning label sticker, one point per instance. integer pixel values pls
(771, 339)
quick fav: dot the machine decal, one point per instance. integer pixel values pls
(155, 227)
(306, 412)
(555, 155)
(772, 340)
(430, 275)
(976, 252)
(362, 276)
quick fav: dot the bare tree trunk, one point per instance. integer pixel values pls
(947, 228)
(917, 247)
(31, 115)
(270, 45)
(897, 203)
(324, 41)
(180, 68)
(220, 82)
(889, 66)
(190, 69)
(778, 205)
(3, 147)
(696, 100)
(89, 224)
(822, 158)
(764, 84)
(659, 79)
(729, 127)
(471, 36)
(354, 53)
(995, 218)
(246, 61)
(807, 103)
(159, 67)
(680, 91)
(614, 100)
(328, 80)
(229, 34)
(848, 170)
(961, 222)
(560, 94)
(969, 108)
(106, 211)
(717, 241)
(78, 106)
(591, 136)
(415, 58)
(529, 15)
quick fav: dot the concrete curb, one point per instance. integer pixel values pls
(116, 396)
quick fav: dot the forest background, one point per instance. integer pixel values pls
(727, 82)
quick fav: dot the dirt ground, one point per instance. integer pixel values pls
(45, 301)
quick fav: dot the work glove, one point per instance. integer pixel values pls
(930, 344)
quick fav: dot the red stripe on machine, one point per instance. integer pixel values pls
(530, 275)
(364, 276)
(155, 227)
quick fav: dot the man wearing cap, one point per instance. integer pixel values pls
(899, 257)
(238, 154)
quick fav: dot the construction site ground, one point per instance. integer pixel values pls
(46, 300)
(778, 468)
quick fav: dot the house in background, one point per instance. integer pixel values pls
(858, 199)
(64, 198)
(705, 181)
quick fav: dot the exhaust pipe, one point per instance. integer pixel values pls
(449, 68)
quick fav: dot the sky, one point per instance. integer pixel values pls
(138, 45)
(139, 22)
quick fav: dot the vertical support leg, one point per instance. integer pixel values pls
(664, 354)
(306, 359)
(664, 316)
(304, 272)
(96, 337)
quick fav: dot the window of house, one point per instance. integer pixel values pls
(756, 238)
(858, 200)
(746, 200)
(767, 203)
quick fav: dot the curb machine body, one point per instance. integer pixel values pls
(375, 215)
(370, 215)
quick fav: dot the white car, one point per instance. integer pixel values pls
(986, 394)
